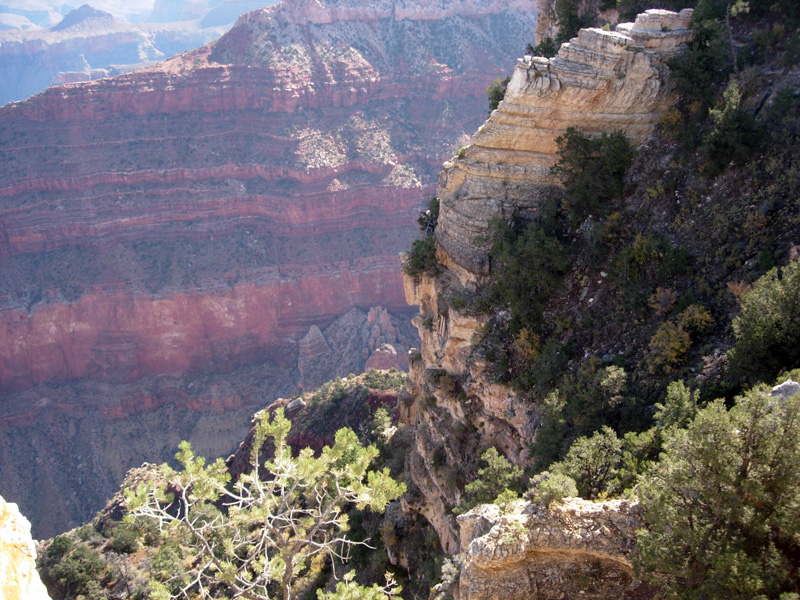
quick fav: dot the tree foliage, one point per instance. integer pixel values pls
(592, 170)
(723, 504)
(496, 476)
(593, 463)
(527, 264)
(252, 537)
(496, 92)
(768, 329)
(421, 258)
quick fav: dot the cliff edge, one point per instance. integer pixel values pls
(599, 81)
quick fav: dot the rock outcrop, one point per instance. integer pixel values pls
(574, 549)
(19, 579)
(169, 237)
(599, 81)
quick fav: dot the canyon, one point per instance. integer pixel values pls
(187, 242)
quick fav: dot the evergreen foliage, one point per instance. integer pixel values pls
(768, 329)
(276, 518)
(723, 504)
(421, 258)
(593, 463)
(592, 170)
(496, 92)
(495, 479)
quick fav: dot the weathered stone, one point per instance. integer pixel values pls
(787, 389)
(599, 81)
(574, 549)
(19, 579)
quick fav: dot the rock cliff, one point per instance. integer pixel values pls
(18, 577)
(599, 81)
(169, 237)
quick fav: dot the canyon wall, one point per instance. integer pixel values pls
(599, 81)
(180, 237)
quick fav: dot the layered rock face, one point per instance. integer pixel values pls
(19, 579)
(172, 237)
(575, 549)
(600, 81)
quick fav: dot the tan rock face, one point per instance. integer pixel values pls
(575, 549)
(19, 579)
(599, 81)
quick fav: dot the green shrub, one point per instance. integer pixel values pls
(734, 137)
(124, 540)
(768, 329)
(592, 170)
(722, 504)
(548, 488)
(527, 265)
(496, 92)
(593, 463)
(496, 476)
(705, 64)
(570, 20)
(421, 258)
(547, 48)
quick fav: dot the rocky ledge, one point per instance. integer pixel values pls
(574, 549)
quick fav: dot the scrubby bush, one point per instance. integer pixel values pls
(593, 463)
(722, 504)
(496, 476)
(592, 170)
(768, 329)
(527, 264)
(548, 488)
(496, 92)
(421, 258)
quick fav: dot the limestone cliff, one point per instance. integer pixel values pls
(599, 81)
(19, 579)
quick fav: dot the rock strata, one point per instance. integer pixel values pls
(599, 81)
(19, 579)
